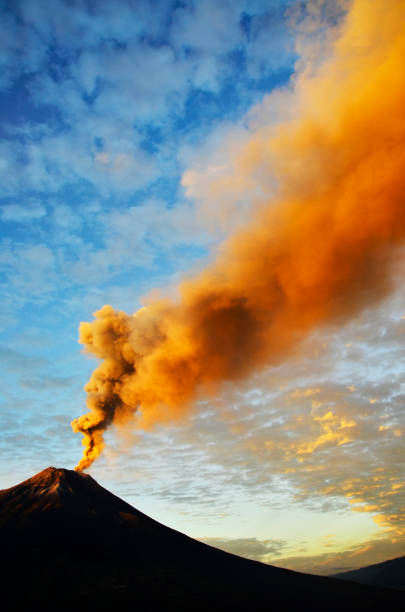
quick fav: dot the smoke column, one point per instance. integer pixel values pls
(318, 252)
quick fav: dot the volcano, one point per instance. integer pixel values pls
(66, 542)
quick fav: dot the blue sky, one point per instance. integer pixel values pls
(102, 110)
(114, 118)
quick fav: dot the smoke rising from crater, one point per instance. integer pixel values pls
(318, 251)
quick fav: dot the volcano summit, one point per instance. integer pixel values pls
(68, 542)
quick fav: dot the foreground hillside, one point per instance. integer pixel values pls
(68, 543)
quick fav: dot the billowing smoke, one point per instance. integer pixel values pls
(317, 252)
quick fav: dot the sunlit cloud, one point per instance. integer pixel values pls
(142, 138)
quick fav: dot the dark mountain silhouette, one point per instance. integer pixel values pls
(389, 573)
(68, 543)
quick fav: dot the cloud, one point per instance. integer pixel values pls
(285, 274)
(23, 51)
(105, 72)
(48, 383)
(94, 112)
(274, 443)
(16, 361)
(29, 268)
(138, 89)
(65, 217)
(252, 548)
(367, 553)
(270, 47)
(58, 160)
(22, 214)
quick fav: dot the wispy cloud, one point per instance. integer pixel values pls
(122, 163)
(22, 214)
(252, 548)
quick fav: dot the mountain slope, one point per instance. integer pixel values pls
(66, 539)
(389, 573)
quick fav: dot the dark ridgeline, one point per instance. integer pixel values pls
(389, 573)
(67, 543)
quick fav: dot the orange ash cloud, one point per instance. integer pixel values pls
(317, 253)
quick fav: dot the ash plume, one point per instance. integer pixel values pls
(317, 252)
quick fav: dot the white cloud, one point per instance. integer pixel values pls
(138, 83)
(131, 78)
(270, 48)
(22, 214)
(63, 216)
(22, 50)
(29, 270)
(208, 27)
